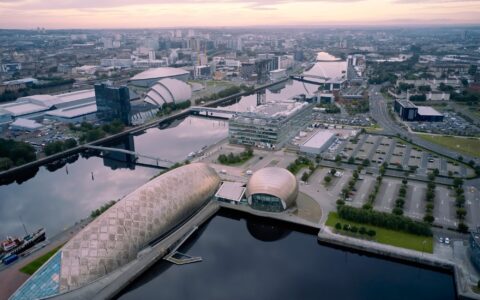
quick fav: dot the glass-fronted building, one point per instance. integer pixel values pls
(113, 103)
(271, 125)
(474, 249)
(272, 189)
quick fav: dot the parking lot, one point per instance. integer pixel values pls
(452, 124)
(398, 155)
(415, 203)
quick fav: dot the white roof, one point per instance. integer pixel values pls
(77, 95)
(74, 111)
(231, 191)
(22, 108)
(26, 123)
(43, 100)
(159, 73)
(428, 111)
(319, 139)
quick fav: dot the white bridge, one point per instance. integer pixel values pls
(160, 162)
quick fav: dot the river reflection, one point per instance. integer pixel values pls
(59, 194)
(244, 261)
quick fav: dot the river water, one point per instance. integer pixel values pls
(248, 258)
(238, 262)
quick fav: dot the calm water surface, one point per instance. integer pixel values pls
(248, 258)
(242, 258)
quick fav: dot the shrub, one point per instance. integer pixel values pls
(397, 211)
(428, 218)
(338, 226)
(462, 227)
(385, 220)
(371, 233)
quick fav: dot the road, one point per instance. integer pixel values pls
(379, 111)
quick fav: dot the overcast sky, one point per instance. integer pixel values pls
(184, 13)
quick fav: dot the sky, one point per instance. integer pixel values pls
(57, 14)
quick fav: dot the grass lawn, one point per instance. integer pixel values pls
(388, 236)
(37, 263)
(468, 146)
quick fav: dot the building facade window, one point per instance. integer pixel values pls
(267, 203)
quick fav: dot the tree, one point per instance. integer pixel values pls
(327, 179)
(371, 233)
(397, 211)
(333, 171)
(462, 227)
(338, 226)
(428, 218)
(362, 230)
(354, 229)
(366, 162)
(69, 143)
(5, 163)
(351, 160)
(305, 176)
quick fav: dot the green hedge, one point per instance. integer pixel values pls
(385, 220)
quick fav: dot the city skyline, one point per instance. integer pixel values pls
(88, 14)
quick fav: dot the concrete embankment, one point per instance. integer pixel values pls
(463, 290)
(112, 284)
(284, 216)
(180, 115)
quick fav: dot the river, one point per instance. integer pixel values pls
(249, 258)
(243, 259)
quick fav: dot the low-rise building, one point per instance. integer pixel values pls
(318, 142)
(270, 125)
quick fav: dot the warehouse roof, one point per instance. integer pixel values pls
(428, 111)
(159, 73)
(319, 139)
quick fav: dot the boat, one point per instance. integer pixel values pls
(15, 246)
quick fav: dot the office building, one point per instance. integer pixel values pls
(271, 125)
(112, 103)
(408, 111)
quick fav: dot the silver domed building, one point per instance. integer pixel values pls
(272, 189)
(168, 91)
(115, 238)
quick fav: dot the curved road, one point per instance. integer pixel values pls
(379, 111)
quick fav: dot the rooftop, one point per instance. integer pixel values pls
(74, 111)
(319, 139)
(26, 123)
(428, 111)
(231, 191)
(280, 108)
(159, 73)
(22, 108)
(77, 95)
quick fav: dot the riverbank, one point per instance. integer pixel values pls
(11, 278)
(461, 277)
(132, 130)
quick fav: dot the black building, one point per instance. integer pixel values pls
(410, 112)
(113, 103)
(406, 110)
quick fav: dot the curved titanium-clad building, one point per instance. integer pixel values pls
(116, 237)
(168, 91)
(272, 189)
(151, 76)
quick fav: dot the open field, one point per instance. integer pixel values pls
(389, 237)
(467, 146)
